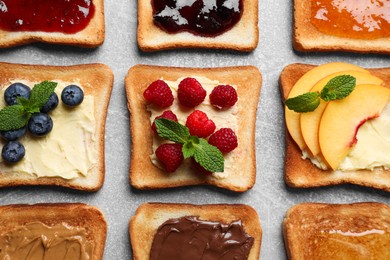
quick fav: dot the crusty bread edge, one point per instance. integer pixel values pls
(87, 74)
(90, 37)
(302, 173)
(307, 38)
(143, 174)
(228, 40)
(74, 214)
(141, 234)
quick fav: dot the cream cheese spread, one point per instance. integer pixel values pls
(69, 150)
(225, 118)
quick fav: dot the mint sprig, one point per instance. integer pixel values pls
(338, 87)
(208, 156)
(17, 116)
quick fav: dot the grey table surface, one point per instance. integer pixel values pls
(270, 196)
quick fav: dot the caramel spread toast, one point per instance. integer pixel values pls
(303, 173)
(243, 36)
(81, 24)
(240, 166)
(58, 231)
(72, 154)
(337, 231)
(150, 216)
(341, 25)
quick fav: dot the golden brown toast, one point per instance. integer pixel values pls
(73, 215)
(91, 36)
(302, 173)
(145, 175)
(337, 231)
(150, 216)
(96, 80)
(307, 38)
(242, 37)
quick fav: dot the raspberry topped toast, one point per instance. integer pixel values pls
(193, 126)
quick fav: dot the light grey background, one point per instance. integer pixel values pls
(270, 196)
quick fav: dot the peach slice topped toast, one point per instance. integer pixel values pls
(193, 126)
(346, 137)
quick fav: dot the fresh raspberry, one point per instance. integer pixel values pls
(190, 92)
(199, 168)
(199, 124)
(159, 94)
(224, 139)
(223, 96)
(166, 114)
(170, 156)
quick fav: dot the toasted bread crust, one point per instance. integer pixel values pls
(307, 38)
(302, 173)
(303, 221)
(150, 216)
(73, 214)
(144, 174)
(244, 36)
(90, 37)
(96, 79)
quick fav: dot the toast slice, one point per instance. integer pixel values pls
(337, 231)
(145, 175)
(91, 36)
(96, 81)
(90, 220)
(243, 36)
(307, 38)
(302, 173)
(150, 216)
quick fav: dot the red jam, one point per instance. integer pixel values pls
(360, 19)
(66, 16)
(201, 17)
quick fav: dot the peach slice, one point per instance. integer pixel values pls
(303, 85)
(310, 121)
(342, 118)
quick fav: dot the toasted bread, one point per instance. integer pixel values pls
(73, 215)
(307, 38)
(243, 36)
(91, 36)
(145, 175)
(150, 216)
(302, 173)
(337, 231)
(96, 80)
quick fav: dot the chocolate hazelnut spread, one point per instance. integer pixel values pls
(37, 241)
(189, 237)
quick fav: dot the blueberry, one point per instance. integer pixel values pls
(14, 91)
(50, 104)
(13, 135)
(72, 95)
(13, 152)
(40, 124)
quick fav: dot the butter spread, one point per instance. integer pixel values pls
(69, 150)
(37, 241)
(191, 238)
(225, 118)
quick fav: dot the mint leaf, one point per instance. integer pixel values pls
(189, 148)
(40, 94)
(171, 130)
(13, 117)
(208, 156)
(307, 102)
(338, 88)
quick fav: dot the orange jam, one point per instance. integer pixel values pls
(360, 19)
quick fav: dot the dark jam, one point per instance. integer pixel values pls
(66, 16)
(201, 17)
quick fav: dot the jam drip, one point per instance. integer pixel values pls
(67, 16)
(201, 17)
(359, 19)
